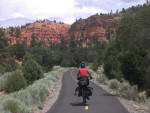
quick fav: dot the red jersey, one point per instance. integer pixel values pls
(83, 72)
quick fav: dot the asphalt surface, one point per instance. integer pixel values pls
(100, 102)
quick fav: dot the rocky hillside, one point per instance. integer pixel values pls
(48, 31)
(101, 26)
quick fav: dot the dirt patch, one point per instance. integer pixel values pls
(2, 93)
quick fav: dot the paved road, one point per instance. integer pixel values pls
(100, 102)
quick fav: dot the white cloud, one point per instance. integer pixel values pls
(68, 10)
(17, 15)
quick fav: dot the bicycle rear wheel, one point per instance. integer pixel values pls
(84, 96)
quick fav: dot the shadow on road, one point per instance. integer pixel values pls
(115, 95)
(78, 104)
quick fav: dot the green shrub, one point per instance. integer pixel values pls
(2, 109)
(12, 63)
(132, 68)
(24, 101)
(32, 71)
(114, 84)
(3, 79)
(25, 59)
(8, 68)
(2, 69)
(102, 79)
(15, 82)
(129, 92)
(11, 105)
(65, 63)
(23, 96)
(19, 50)
(125, 86)
(148, 93)
(148, 102)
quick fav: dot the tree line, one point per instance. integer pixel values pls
(128, 57)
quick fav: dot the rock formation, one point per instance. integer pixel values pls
(48, 31)
(101, 26)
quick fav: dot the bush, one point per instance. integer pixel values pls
(2, 69)
(125, 86)
(32, 71)
(25, 101)
(11, 105)
(114, 84)
(15, 82)
(112, 62)
(102, 79)
(3, 79)
(65, 63)
(8, 68)
(129, 92)
(132, 67)
(13, 65)
(148, 102)
(19, 50)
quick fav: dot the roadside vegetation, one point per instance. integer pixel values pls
(121, 89)
(32, 97)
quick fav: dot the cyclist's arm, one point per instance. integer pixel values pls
(89, 75)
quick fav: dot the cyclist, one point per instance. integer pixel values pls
(83, 74)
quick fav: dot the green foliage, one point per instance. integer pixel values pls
(17, 33)
(11, 105)
(132, 68)
(63, 44)
(18, 50)
(15, 82)
(65, 63)
(43, 55)
(25, 101)
(112, 62)
(147, 77)
(33, 41)
(3, 79)
(3, 42)
(12, 63)
(8, 68)
(2, 69)
(25, 59)
(128, 56)
(32, 71)
(72, 44)
(114, 84)
(1, 33)
(129, 92)
(91, 56)
(95, 65)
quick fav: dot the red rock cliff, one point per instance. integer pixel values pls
(48, 31)
(101, 26)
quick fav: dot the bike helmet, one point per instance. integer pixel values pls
(82, 65)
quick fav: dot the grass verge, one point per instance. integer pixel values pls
(25, 101)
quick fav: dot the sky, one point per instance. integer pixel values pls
(19, 12)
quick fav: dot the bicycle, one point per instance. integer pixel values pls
(84, 90)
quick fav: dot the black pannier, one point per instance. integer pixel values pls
(89, 91)
(83, 81)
